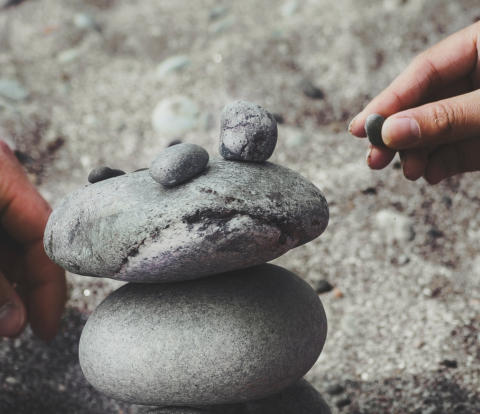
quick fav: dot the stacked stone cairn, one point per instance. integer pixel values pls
(203, 325)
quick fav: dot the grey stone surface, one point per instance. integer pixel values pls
(248, 132)
(103, 173)
(300, 398)
(234, 215)
(373, 128)
(224, 339)
(178, 163)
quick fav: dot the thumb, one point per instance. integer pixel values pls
(12, 310)
(433, 124)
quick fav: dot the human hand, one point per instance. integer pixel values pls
(432, 112)
(32, 288)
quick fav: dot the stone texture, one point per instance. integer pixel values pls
(300, 398)
(224, 339)
(373, 128)
(178, 163)
(234, 215)
(103, 173)
(248, 132)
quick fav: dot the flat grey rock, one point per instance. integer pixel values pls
(248, 132)
(232, 216)
(178, 163)
(224, 339)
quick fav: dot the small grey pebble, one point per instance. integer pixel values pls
(178, 163)
(335, 389)
(174, 142)
(310, 90)
(248, 132)
(373, 128)
(449, 363)
(103, 173)
(322, 286)
(369, 191)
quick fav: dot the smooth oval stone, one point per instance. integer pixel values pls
(233, 216)
(373, 128)
(224, 339)
(248, 132)
(178, 163)
(103, 173)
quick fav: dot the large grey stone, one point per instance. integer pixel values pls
(248, 132)
(223, 339)
(233, 215)
(300, 398)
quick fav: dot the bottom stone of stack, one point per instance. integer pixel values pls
(224, 339)
(300, 398)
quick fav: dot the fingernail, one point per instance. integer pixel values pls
(11, 319)
(400, 132)
(350, 125)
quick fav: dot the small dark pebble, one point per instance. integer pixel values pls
(311, 90)
(373, 128)
(370, 191)
(449, 363)
(55, 145)
(323, 286)
(343, 402)
(279, 118)
(22, 157)
(174, 142)
(435, 233)
(447, 201)
(335, 389)
(397, 165)
(103, 173)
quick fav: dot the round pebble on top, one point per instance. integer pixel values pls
(178, 163)
(248, 132)
(373, 128)
(103, 173)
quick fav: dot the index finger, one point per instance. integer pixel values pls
(24, 214)
(23, 211)
(453, 58)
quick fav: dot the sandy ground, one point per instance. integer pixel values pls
(404, 320)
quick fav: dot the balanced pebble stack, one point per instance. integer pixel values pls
(204, 324)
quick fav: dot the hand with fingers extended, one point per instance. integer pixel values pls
(32, 288)
(432, 112)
